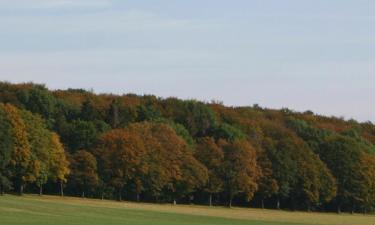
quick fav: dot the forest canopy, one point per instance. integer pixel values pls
(145, 148)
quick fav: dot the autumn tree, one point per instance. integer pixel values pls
(211, 156)
(58, 163)
(120, 153)
(315, 183)
(186, 173)
(240, 171)
(267, 183)
(22, 170)
(171, 166)
(38, 137)
(173, 150)
(84, 174)
(365, 191)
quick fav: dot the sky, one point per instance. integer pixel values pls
(314, 55)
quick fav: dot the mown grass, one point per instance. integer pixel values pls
(51, 210)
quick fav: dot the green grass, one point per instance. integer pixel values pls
(46, 210)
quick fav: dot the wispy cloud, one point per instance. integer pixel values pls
(52, 4)
(316, 55)
(97, 29)
(102, 21)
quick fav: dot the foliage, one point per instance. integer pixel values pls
(153, 149)
(84, 174)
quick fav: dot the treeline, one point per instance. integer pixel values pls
(144, 148)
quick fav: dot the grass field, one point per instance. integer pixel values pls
(50, 210)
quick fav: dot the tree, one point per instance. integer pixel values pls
(364, 194)
(38, 137)
(284, 166)
(20, 165)
(342, 156)
(120, 153)
(147, 113)
(59, 164)
(123, 111)
(166, 163)
(197, 117)
(38, 99)
(6, 145)
(228, 132)
(315, 184)
(174, 150)
(240, 170)
(185, 173)
(113, 117)
(84, 171)
(267, 183)
(212, 157)
(81, 135)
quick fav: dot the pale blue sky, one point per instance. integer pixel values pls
(317, 54)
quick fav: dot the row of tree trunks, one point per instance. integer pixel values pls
(22, 187)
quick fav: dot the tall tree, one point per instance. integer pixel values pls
(342, 156)
(240, 169)
(267, 183)
(59, 164)
(120, 153)
(84, 174)
(284, 166)
(6, 145)
(113, 114)
(185, 172)
(211, 156)
(364, 192)
(20, 165)
(38, 136)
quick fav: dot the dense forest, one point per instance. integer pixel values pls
(145, 148)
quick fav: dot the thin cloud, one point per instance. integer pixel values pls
(109, 21)
(52, 4)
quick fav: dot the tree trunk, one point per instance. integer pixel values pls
(102, 195)
(61, 189)
(21, 189)
(230, 202)
(210, 199)
(278, 203)
(120, 195)
(41, 190)
(83, 194)
(339, 208)
(174, 201)
(262, 203)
